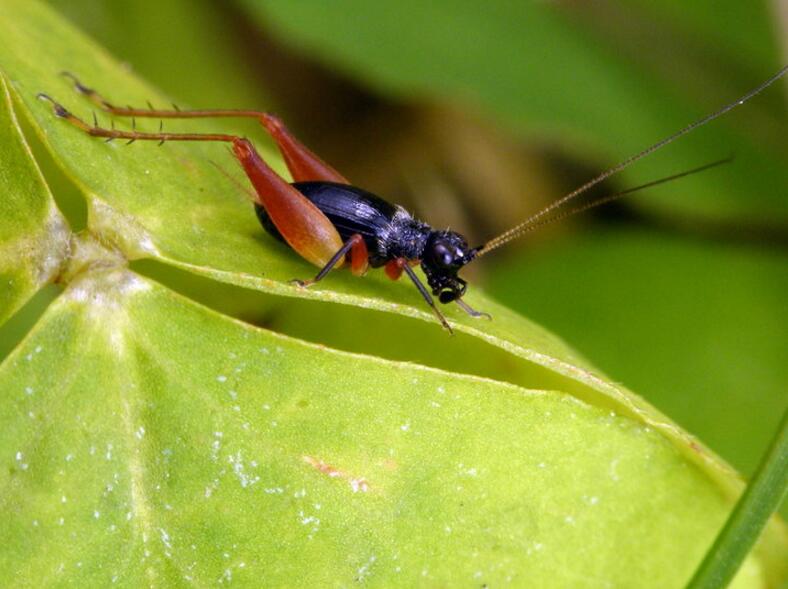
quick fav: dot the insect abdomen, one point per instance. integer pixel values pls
(351, 210)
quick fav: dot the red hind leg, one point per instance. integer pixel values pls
(302, 163)
(303, 226)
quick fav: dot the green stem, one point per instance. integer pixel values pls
(759, 501)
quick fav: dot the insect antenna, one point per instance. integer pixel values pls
(525, 226)
(611, 197)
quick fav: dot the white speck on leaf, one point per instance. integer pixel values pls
(359, 485)
(165, 538)
(240, 471)
(614, 469)
(19, 459)
(363, 571)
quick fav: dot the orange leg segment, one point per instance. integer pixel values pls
(304, 226)
(394, 268)
(359, 257)
(304, 165)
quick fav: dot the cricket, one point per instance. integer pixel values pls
(332, 223)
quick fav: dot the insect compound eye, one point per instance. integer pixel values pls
(442, 254)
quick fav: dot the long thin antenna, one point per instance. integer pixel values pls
(517, 230)
(611, 197)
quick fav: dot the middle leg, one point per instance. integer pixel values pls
(359, 255)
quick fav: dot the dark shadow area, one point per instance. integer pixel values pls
(13, 331)
(358, 330)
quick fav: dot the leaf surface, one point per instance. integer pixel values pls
(173, 374)
(241, 455)
(33, 234)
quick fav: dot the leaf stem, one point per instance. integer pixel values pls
(761, 498)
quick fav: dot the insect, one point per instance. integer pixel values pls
(329, 222)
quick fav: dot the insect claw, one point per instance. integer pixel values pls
(471, 311)
(176, 107)
(108, 139)
(302, 283)
(161, 125)
(161, 142)
(78, 86)
(443, 321)
(130, 141)
(95, 120)
(150, 106)
(59, 109)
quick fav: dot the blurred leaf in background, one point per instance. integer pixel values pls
(556, 71)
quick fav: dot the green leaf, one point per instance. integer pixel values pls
(116, 353)
(247, 456)
(201, 37)
(33, 234)
(761, 499)
(565, 72)
(709, 316)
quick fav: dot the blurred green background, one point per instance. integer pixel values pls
(474, 115)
